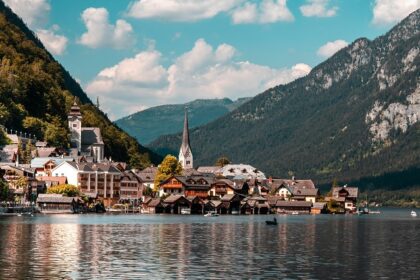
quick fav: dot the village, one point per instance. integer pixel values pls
(82, 179)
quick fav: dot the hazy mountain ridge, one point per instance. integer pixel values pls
(325, 125)
(151, 123)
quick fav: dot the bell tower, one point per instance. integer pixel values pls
(75, 126)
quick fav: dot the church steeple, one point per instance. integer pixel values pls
(185, 153)
(75, 126)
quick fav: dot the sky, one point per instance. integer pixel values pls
(136, 54)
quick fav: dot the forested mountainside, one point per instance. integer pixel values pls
(36, 94)
(154, 122)
(355, 117)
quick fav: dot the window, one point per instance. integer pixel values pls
(188, 162)
(75, 125)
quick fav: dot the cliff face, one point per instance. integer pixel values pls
(36, 94)
(355, 115)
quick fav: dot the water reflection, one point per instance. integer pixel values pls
(137, 247)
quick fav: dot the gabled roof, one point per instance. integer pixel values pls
(298, 191)
(175, 198)
(148, 174)
(53, 198)
(59, 179)
(241, 171)
(39, 162)
(209, 169)
(352, 191)
(224, 181)
(45, 151)
(130, 176)
(154, 202)
(284, 203)
(91, 136)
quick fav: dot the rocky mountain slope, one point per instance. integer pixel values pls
(154, 122)
(355, 116)
(36, 94)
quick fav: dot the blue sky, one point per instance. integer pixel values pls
(134, 54)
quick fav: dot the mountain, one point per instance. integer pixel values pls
(354, 116)
(36, 94)
(151, 123)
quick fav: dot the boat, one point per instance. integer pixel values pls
(211, 214)
(413, 213)
(272, 223)
(185, 211)
(295, 213)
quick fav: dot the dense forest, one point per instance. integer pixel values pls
(317, 126)
(36, 93)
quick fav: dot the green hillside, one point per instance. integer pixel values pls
(151, 123)
(36, 93)
(355, 116)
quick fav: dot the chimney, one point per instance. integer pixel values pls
(270, 180)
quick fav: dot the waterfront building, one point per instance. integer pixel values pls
(85, 141)
(56, 203)
(221, 187)
(131, 187)
(283, 206)
(185, 157)
(187, 186)
(345, 196)
(101, 178)
(147, 177)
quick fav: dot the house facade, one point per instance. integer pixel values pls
(101, 178)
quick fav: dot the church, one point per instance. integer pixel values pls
(85, 141)
(185, 154)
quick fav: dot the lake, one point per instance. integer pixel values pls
(384, 246)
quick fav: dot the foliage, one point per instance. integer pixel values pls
(36, 93)
(21, 183)
(151, 123)
(64, 189)
(222, 161)
(169, 167)
(148, 191)
(307, 126)
(3, 137)
(4, 190)
(395, 198)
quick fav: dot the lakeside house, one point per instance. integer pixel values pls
(57, 203)
(345, 197)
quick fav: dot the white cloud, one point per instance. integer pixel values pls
(202, 72)
(33, 12)
(268, 11)
(392, 11)
(245, 14)
(55, 44)
(180, 10)
(100, 33)
(318, 8)
(331, 48)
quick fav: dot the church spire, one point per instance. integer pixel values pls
(185, 134)
(185, 153)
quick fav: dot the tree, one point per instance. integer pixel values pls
(4, 190)
(222, 161)
(169, 167)
(64, 189)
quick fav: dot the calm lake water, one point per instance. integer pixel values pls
(385, 246)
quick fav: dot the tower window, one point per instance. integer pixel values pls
(188, 162)
(75, 125)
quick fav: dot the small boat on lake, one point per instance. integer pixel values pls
(295, 213)
(413, 213)
(273, 222)
(211, 214)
